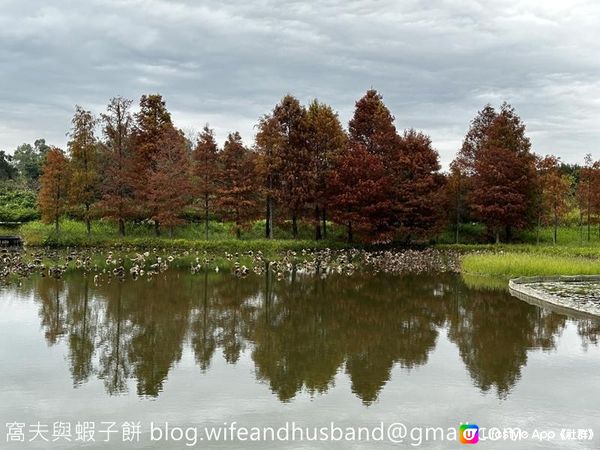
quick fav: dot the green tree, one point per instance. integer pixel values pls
(7, 170)
(29, 160)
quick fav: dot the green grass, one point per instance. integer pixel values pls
(221, 238)
(513, 264)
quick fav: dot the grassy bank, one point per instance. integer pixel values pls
(516, 264)
(221, 237)
(503, 261)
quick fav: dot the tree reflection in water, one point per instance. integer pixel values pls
(300, 332)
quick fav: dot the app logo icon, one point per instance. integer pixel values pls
(469, 433)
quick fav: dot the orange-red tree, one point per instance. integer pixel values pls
(554, 189)
(475, 139)
(463, 166)
(167, 191)
(588, 191)
(417, 184)
(83, 149)
(360, 194)
(238, 197)
(152, 121)
(268, 151)
(295, 182)
(372, 130)
(54, 185)
(373, 126)
(325, 139)
(117, 185)
(503, 183)
(455, 191)
(206, 172)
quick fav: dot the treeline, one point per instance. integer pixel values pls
(497, 180)
(378, 183)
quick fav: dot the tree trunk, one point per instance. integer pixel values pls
(206, 215)
(537, 230)
(456, 238)
(121, 227)
(350, 237)
(588, 224)
(171, 232)
(324, 223)
(497, 236)
(318, 235)
(238, 231)
(294, 226)
(56, 225)
(508, 233)
(269, 218)
(580, 228)
(555, 237)
(88, 224)
(156, 228)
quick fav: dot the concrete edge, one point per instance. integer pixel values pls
(519, 288)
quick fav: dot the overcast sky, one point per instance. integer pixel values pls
(226, 63)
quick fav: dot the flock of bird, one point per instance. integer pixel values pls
(128, 262)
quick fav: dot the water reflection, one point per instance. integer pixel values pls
(299, 332)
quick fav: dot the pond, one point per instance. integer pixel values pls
(211, 349)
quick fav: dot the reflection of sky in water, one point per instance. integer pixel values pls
(455, 355)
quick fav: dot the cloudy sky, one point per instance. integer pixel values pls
(226, 63)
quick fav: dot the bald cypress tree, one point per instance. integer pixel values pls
(83, 149)
(152, 121)
(325, 140)
(54, 185)
(117, 186)
(504, 177)
(238, 197)
(206, 172)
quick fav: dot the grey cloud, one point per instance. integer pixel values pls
(227, 63)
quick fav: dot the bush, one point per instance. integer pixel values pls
(17, 204)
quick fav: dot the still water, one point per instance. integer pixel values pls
(212, 349)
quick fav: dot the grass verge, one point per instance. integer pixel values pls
(518, 264)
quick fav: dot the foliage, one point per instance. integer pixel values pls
(117, 192)
(28, 161)
(167, 190)
(554, 189)
(151, 122)
(83, 150)
(373, 183)
(237, 195)
(496, 154)
(206, 172)
(360, 193)
(17, 203)
(395, 191)
(325, 140)
(52, 198)
(7, 170)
